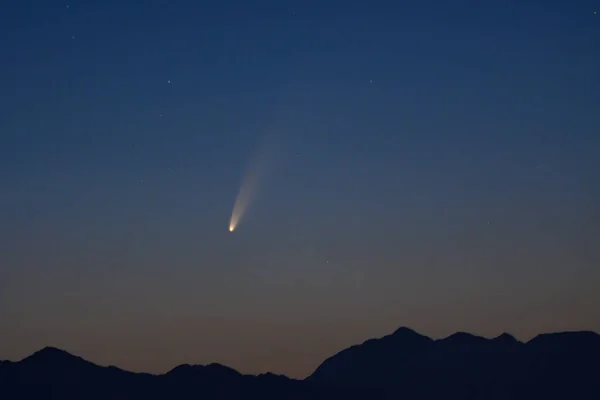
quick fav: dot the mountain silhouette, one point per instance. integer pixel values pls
(465, 366)
(402, 365)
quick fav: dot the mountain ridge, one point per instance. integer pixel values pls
(404, 363)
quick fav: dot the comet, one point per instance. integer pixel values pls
(251, 183)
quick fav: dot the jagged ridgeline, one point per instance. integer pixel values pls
(403, 365)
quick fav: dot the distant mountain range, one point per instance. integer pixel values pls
(403, 365)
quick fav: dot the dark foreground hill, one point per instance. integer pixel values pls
(403, 365)
(408, 365)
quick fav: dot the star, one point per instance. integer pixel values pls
(169, 81)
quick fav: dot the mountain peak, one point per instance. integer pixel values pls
(403, 330)
(269, 376)
(220, 368)
(463, 337)
(52, 354)
(51, 350)
(506, 338)
(407, 333)
(213, 370)
(179, 369)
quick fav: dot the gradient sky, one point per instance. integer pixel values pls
(436, 167)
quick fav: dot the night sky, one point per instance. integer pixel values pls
(431, 164)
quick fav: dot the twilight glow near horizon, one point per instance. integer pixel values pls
(438, 170)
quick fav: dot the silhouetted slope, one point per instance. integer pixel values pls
(464, 366)
(53, 373)
(563, 364)
(375, 362)
(402, 365)
(201, 374)
(51, 366)
(469, 365)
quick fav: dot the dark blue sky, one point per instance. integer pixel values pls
(436, 166)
